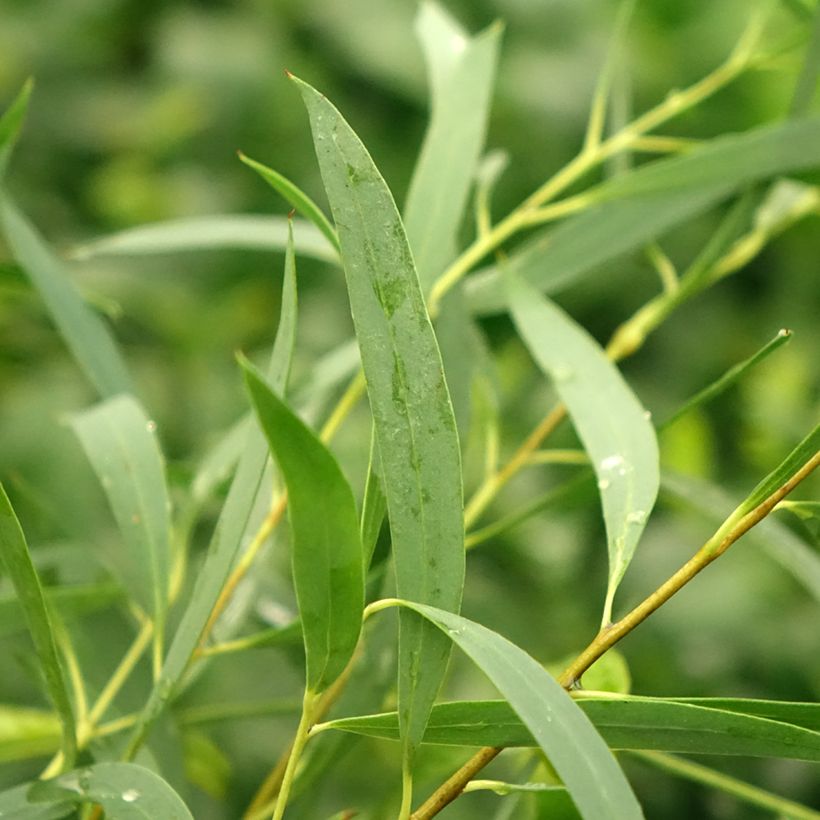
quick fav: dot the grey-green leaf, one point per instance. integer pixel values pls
(85, 333)
(637, 207)
(16, 562)
(461, 72)
(326, 546)
(207, 233)
(125, 791)
(610, 421)
(120, 442)
(409, 400)
(562, 731)
(705, 727)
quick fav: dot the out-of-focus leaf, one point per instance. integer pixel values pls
(610, 421)
(125, 791)
(562, 731)
(327, 549)
(26, 733)
(86, 335)
(206, 765)
(230, 527)
(632, 723)
(637, 207)
(408, 396)
(121, 444)
(296, 197)
(68, 601)
(206, 233)
(14, 805)
(461, 73)
(16, 562)
(11, 123)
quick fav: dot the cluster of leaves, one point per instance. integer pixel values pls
(416, 358)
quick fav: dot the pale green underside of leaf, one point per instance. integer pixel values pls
(16, 562)
(125, 791)
(86, 335)
(640, 206)
(562, 731)
(208, 233)
(461, 72)
(326, 550)
(720, 727)
(408, 398)
(121, 445)
(610, 421)
(227, 537)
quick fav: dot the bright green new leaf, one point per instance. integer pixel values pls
(86, 335)
(125, 791)
(326, 545)
(206, 233)
(296, 197)
(230, 527)
(562, 731)
(121, 444)
(613, 426)
(409, 401)
(11, 123)
(461, 73)
(15, 560)
(637, 207)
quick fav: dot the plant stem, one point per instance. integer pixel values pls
(299, 740)
(729, 532)
(406, 789)
(742, 791)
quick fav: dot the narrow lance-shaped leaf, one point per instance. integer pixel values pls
(16, 561)
(628, 723)
(408, 396)
(326, 547)
(610, 421)
(563, 732)
(86, 335)
(461, 71)
(638, 207)
(11, 123)
(125, 791)
(233, 519)
(121, 444)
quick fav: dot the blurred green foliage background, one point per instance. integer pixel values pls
(138, 111)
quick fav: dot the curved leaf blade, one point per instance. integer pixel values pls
(121, 445)
(15, 559)
(327, 550)
(562, 731)
(610, 421)
(409, 400)
(87, 336)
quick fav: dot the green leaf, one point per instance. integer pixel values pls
(730, 377)
(121, 444)
(374, 504)
(637, 207)
(806, 87)
(14, 805)
(125, 791)
(610, 421)
(296, 197)
(773, 536)
(230, 527)
(68, 601)
(461, 74)
(206, 233)
(16, 562)
(409, 401)
(562, 731)
(326, 545)
(672, 725)
(26, 733)
(86, 335)
(11, 123)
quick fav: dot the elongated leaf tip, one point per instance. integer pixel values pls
(784, 333)
(291, 214)
(290, 75)
(241, 155)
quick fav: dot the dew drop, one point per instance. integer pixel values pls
(636, 517)
(612, 463)
(151, 427)
(784, 331)
(564, 374)
(130, 795)
(647, 414)
(458, 43)
(603, 484)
